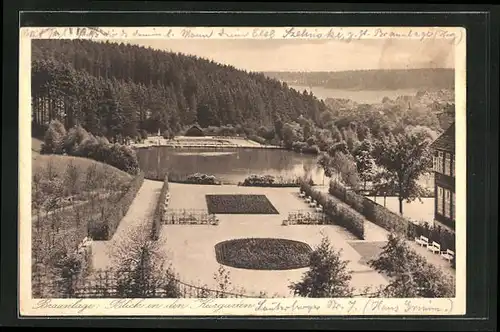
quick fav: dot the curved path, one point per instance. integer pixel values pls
(141, 212)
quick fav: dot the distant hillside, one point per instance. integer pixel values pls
(438, 78)
(119, 90)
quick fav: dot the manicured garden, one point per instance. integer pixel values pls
(239, 204)
(263, 254)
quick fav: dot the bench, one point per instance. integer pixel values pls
(312, 204)
(308, 199)
(302, 194)
(448, 255)
(434, 247)
(319, 208)
(422, 241)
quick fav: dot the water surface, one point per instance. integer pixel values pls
(230, 165)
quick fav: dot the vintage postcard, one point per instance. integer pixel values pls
(290, 171)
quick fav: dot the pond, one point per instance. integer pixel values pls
(228, 165)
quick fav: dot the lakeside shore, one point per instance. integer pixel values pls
(202, 142)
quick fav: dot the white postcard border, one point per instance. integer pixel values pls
(218, 307)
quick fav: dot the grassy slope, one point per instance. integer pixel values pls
(60, 162)
(36, 145)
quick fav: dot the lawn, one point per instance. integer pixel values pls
(240, 204)
(64, 180)
(263, 254)
(368, 250)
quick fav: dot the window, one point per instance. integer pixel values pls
(435, 162)
(440, 162)
(453, 165)
(447, 203)
(453, 209)
(440, 200)
(447, 164)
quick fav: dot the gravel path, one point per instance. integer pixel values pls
(140, 213)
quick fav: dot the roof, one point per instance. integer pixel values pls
(446, 141)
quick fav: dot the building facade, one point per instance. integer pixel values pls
(443, 150)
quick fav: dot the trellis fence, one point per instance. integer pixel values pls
(190, 217)
(306, 217)
(129, 284)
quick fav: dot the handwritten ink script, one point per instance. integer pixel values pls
(248, 306)
(346, 34)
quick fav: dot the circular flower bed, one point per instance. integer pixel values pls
(263, 254)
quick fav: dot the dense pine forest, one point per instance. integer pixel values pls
(383, 79)
(120, 90)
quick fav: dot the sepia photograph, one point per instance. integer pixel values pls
(256, 171)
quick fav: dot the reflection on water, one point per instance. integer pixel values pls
(230, 165)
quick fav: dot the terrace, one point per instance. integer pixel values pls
(191, 249)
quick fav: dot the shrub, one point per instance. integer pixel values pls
(411, 275)
(111, 214)
(336, 211)
(328, 275)
(199, 178)
(71, 177)
(74, 138)
(269, 181)
(259, 180)
(439, 234)
(79, 142)
(160, 210)
(54, 138)
(142, 269)
(371, 210)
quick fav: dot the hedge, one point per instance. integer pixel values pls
(389, 220)
(337, 211)
(111, 214)
(269, 181)
(161, 207)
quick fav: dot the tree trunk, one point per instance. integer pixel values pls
(400, 206)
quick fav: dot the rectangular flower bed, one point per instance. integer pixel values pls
(240, 204)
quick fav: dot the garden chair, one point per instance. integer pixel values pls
(308, 199)
(422, 241)
(434, 247)
(448, 255)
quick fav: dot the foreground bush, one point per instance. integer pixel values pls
(327, 276)
(142, 270)
(337, 211)
(411, 275)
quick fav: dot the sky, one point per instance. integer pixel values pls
(307, 55)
